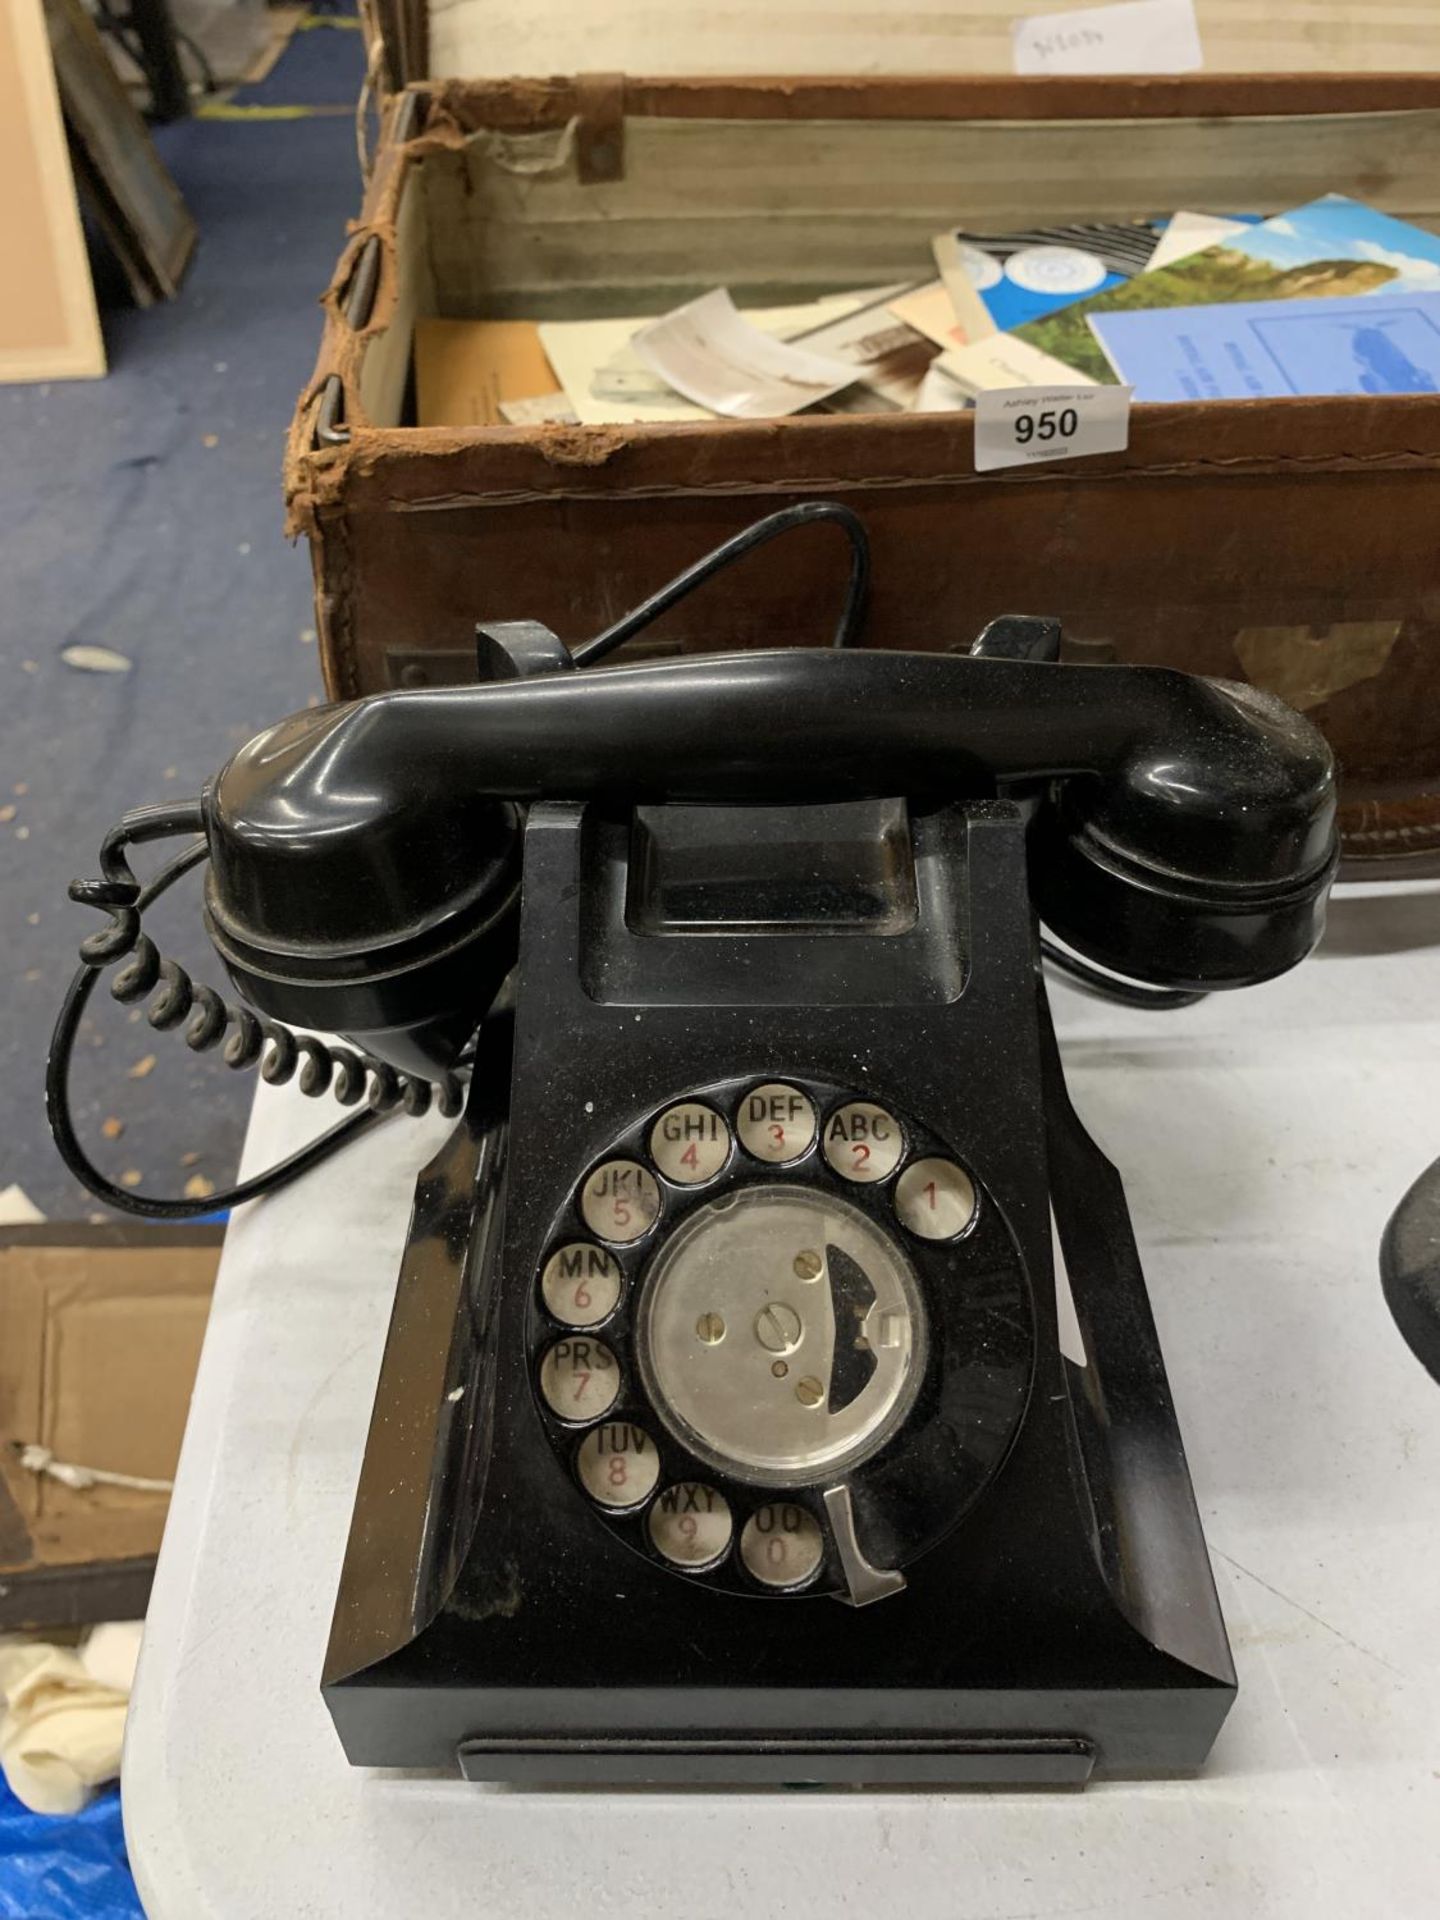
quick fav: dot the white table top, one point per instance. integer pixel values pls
(1264, 1137)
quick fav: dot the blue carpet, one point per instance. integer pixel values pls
(313, 72)
(143, 512)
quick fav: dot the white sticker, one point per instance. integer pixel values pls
(1137, 36)
(1015, 426)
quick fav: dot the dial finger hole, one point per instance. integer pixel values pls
(690, 1143)
(776, 1123)
(782, 1544)
(620, 1201)
(618, 1465)
(863, 1142)
(935, 1199)
(579, 1379)
(691, 1526)
(581, 1284)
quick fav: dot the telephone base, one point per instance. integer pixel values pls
(1129, 1667)
(1059, 1616)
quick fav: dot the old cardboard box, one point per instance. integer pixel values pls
(1288, 542)
(100, 1332)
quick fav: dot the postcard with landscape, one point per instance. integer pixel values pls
(1332, 247)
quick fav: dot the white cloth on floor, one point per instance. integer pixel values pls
(64, 1715)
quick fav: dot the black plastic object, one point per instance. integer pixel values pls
(1018, 636)
(364, 860)
(1064, 1618)
(362, 909)
(519, 650)
(1410, 1268)
(759, 533)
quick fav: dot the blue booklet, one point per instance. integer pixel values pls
(1372, 343)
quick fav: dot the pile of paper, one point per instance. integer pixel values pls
(1330, 298)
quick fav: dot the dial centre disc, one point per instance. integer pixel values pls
(824, 1334)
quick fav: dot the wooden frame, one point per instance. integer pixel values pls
(49, 326)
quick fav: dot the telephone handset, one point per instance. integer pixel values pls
(734, 1284)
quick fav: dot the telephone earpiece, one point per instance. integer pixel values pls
(1203, 858)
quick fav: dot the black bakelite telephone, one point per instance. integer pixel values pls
(731, 1296)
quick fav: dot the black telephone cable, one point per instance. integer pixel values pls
(254, 1040)
(805, 514)
(1110, 986)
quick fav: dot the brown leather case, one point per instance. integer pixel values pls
(1291, 543)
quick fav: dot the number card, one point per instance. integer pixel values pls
(1016, 426)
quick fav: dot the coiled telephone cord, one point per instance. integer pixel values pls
(246, 1039)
